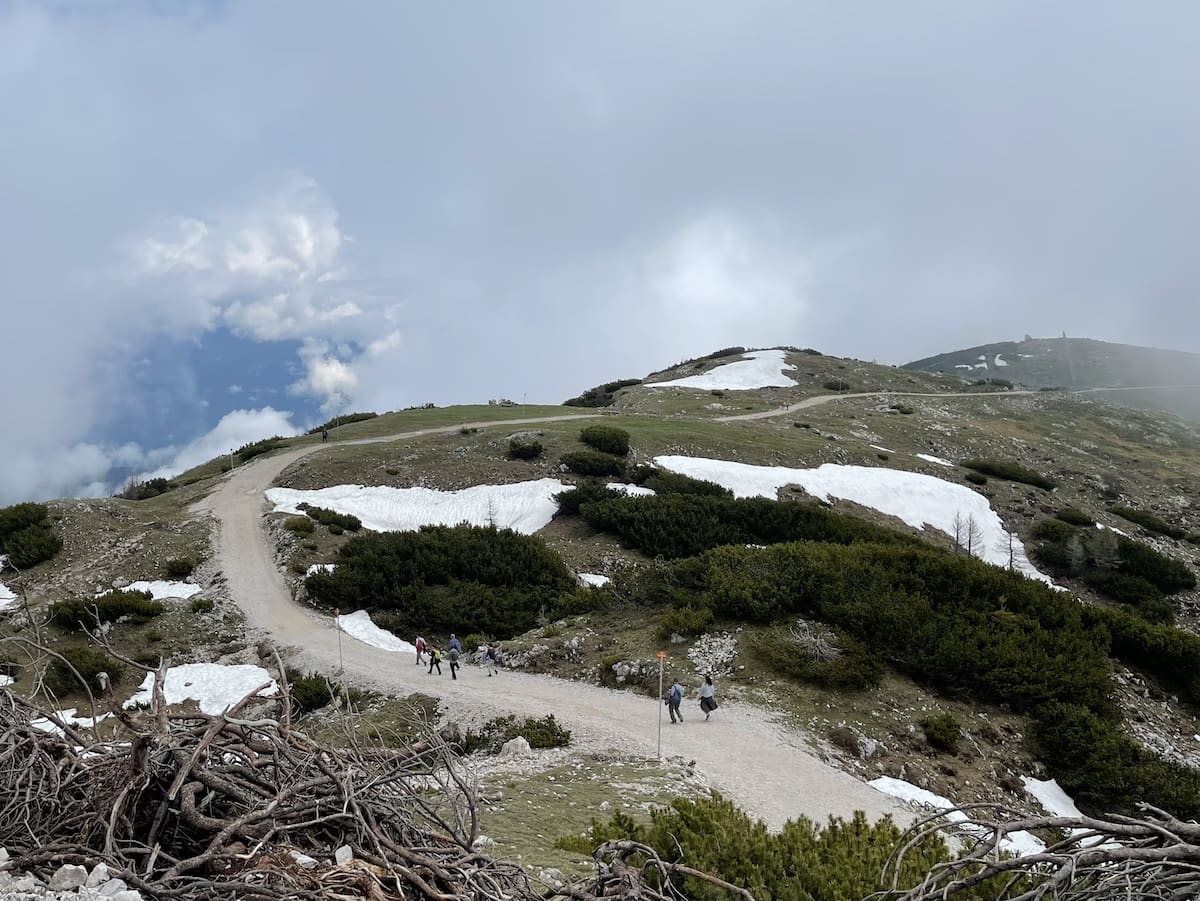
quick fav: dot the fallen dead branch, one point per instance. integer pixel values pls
(1114, 858)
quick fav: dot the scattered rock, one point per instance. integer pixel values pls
(343, 855)
(113, 887)
(516, 747)
(67, 878)
(98, 876)
(303, 860)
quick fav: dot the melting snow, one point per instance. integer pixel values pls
(999, 361)
(6, 681)
(913, 497)
(213, 686)
(69, 717)
(524, 506)
(162, 590)
(594, 579)
(759, 369)
(1051, 796)
(630, 490)
(886, 450)
(1019, 843)
(7, 597)
(320, 568)
(359, 625)
(929, 458)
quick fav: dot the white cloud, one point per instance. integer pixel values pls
(326, 376)
(235, 429)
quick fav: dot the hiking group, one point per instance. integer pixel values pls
(707, 695)
(454, 651)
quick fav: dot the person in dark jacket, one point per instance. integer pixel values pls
(452, 654)
(674, 699)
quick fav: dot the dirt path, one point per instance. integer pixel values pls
(826, 398)
(761, 766)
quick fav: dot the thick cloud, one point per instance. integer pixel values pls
(525, 198)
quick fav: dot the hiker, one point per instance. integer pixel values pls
(708, 701)
(452, 654)
(491, 659)
(674, 699)
(421, 648)
(324, 434)
(435, 659)
(454, 644)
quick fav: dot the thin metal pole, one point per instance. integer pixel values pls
(661, 656)
(338, 625)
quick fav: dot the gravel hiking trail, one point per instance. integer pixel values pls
(758, 764)
(826, 398)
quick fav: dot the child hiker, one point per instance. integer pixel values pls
(435, 659)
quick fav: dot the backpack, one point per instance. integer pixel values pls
(453, 655)
(676, 695)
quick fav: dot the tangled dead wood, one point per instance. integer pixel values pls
(1115, 858)
(245, 805)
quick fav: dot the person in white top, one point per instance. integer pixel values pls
(708, 701)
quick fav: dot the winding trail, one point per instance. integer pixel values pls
(819, 399)
(762, 766)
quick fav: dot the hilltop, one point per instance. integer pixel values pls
(1149, 378)
(848, 470)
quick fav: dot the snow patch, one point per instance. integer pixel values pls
(6, 681)
(930, 458)
(886, 450)
(215, 687)
(68, 716)
(999, 361)
(630, 490)
(594, 579)
(1101, 525)
(759, 369)
(523, 506)
(1019, 843)
(1051, 796)
(320, 568)
(360, 625)
(7, 597)
(919, 500)
(162, 590)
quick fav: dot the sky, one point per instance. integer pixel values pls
(220, 221)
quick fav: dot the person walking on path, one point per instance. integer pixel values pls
(708, 700)
(491, 659)
(324, 434)
(452, 654)
(421, 647)
(435, 660)
(674, 699)
(454, 644)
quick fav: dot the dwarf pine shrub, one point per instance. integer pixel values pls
(607, 439)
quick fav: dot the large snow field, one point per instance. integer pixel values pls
(1019, 843)
(523, 506)
(919, 500)
(215, 687)
(162, 590)
(759, 369)
(360, 625)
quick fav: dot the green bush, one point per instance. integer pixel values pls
(545, 732)
(976, 478)
(1013, 472)
(344, 419)
(299, 525)
(523, 449)
(310, 692)
(836, 385)
(140, 491)
(903, 409)
(593, 463)
(607, 439)
(685, 621)
(447, 579)
(843, 859)
(601, 395)
(663, 481)
(26, 535)
(256, 448)
(855, 668)
(1075, 517)
(588, 490)
(346, 521)
(83, 613)
(180, 567)
(942, 731)
(202, 605)
(89, 662)
(683, 525)
(1148, 521)
(475, 640)
(336, 528)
